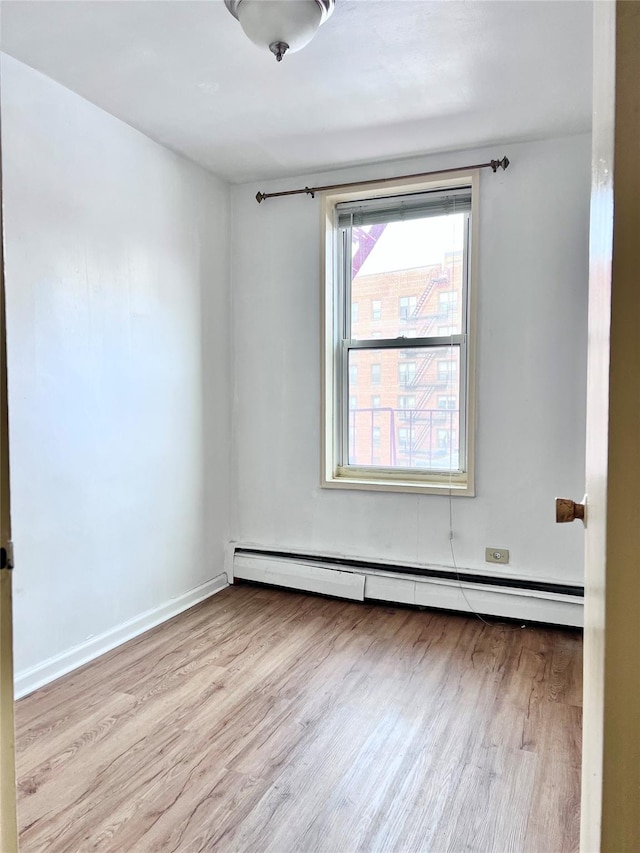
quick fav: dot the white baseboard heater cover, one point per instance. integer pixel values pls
(360, 583)
(297, 575)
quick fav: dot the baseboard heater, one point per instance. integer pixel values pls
(515, 598)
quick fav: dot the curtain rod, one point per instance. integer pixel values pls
(493, 164)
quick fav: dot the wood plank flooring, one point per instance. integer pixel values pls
(275, 722)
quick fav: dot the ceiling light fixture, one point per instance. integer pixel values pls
(280, 25)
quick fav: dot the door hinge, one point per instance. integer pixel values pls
(6, 556)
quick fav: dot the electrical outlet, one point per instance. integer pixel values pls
(496, 555)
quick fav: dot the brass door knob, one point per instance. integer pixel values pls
(568, 510)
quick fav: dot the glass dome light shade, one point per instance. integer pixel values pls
(290, 22)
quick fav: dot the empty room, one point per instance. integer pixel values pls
(303, 382)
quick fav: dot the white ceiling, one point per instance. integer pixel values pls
(382, 79)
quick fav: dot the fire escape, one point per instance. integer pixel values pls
(423, 427)
(366, 241)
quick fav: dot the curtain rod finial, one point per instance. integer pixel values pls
(260, 197)
(499, 164)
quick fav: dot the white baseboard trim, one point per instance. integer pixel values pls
(31, 679)
(464, 596)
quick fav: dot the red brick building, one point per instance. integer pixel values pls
(404, 403)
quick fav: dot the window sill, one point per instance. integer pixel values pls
(463, 487)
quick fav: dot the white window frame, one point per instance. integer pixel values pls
(334, 387)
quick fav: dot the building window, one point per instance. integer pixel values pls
(407, 306)
(404, 439)
(445, 401)
(353, 402)
(406, 405)
(448, 302)
(406, 373)
(354, 312)
(395, 224)
(446, 370)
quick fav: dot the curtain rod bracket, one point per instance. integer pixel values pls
(311, 191)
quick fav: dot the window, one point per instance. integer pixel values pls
(406, 406)
(405, 402)
(446, 370)
(354, 312)
(407, 306)
(353, 402)
(448, 302)
(404, 439)
(446, 402)
(425, 443)
(406, 373)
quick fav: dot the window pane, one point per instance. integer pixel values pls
(414, 417)
(410, 276)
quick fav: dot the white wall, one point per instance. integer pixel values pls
(533, 257)
(118, 293)
(117, 304)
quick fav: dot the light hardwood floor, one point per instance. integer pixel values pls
(272, 721)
